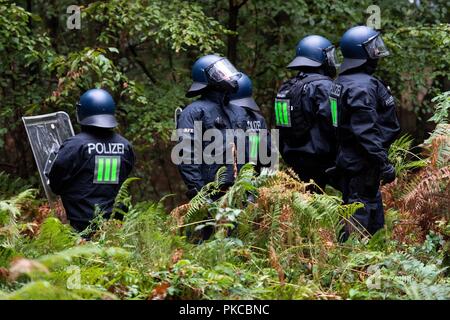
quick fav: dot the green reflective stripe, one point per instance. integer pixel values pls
(285, 113)
(277, 118)
(281, 107)
(333, 105)
(257, 145)
(107, 168)
(279, 113)
(100, 170)
(282, 112)
(114, 169)
(254, 145)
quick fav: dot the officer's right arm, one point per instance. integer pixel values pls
(362, 103)
(189, 170)
(63, 167)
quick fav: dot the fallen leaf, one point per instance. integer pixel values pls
(160, 291)
(177, 255)
(24, 266)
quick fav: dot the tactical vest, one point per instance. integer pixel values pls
(291, 118)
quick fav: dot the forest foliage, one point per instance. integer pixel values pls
(280, 244)
(141, 51)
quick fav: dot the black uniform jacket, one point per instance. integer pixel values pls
(214, 112)
(367, 121)
(88, 171)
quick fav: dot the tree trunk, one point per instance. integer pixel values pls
(233, 14)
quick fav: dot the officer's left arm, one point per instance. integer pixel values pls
(321, 99)
(63, 166)
(364, 123)
(191, 171)
(388, 120)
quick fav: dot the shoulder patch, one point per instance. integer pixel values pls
(335, 94)
(389, 101)
(336, 90)
(282, 94)
(283, 112)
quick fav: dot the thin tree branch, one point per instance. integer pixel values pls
(141, 64)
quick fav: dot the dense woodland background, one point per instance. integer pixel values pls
(284, 244)
(142, 51)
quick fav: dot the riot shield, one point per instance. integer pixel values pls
(46, 133)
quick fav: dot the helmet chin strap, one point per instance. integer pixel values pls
(78, 118)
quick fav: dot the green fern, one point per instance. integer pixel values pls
(9, 213)
(204, 197)
(53, 237)
(402, 158)
(88, 252)
(123, 198)
(44, 290)
(236, 196)
(441, 113)
(10, 186)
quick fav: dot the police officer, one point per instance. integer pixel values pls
(364, 113)
(91, 166)
(303, 117)
(247, 117)
(214, 79)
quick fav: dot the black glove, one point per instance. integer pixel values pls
(191, 193)
(387, 174)
(50, 160)
(332, 172)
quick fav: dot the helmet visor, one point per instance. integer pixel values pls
(376, 48)
(222, 70)
(330, 53)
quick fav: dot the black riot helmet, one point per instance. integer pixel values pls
(360, 46)
(214, 72)
(96, 108)
(315, 52)
(244, 96)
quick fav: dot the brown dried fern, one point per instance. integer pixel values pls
(423, 197)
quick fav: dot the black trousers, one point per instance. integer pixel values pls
(309, 167)
(363, 187)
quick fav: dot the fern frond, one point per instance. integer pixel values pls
(10, 186)
(53, 236)
(123, 197)
(244, 184)
(442, 110)
(88, 251)
(10, 211)
(428, 188)
(204, 197)
(400, 155)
